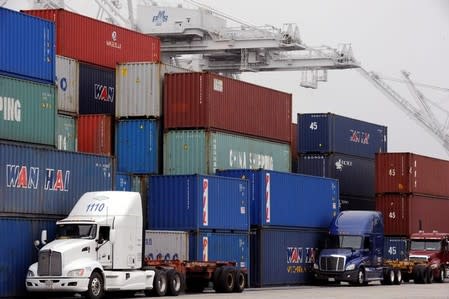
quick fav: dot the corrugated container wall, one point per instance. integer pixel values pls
(95, 134)
(67, 82)
(203, 152)
(166, 245)
(331, 133)
(411, 173)
(191, 202)
(18, 253)
(405, 214)
(48, 182)
(130, 182)
(287, 199)
(27, 47)
(220, 246)
(294, 147)
(283, 256)
(210, 101)
(395, 248)
(137, 146)
(107, 44)
(96, 90)
(27, 111)
(355, 174)
(65, 133)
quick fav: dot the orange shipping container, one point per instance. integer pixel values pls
(94, 134)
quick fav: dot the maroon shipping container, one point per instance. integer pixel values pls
(411, 173)
(210, 101)
(405, 214)
(96, 42)
(294, 146)
(94, 134)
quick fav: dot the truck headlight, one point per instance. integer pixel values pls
(76, 272)
(315, 266)
(350, 267)
(30, 273)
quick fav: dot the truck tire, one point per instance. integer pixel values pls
(226, 281)
(216, 277)
(361, 277)
(95, 288)
(429, 275)
(389, 277)
(442, 274)
(240, 281)
(175, 282)
(397, 277)
(159, 284)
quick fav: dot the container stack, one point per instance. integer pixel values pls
(290, 215)
(410, 190)
(213, 210)
(41, 184)
(213, 122)
(342, 148)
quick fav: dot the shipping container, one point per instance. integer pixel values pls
(137, 146)
(28, 47)
(355, 174)
(18, 252)
(357, 203)
(65, 133)
(411, 173)
(67, 82)
(132, 182)
(27, 111)
(122, 182)
(405, 214)
(96, 42)
(220, 246)
(48, 182)
(95, 134)
(191, 202)
(331, 133)
(209, 101)
(166, 245)
(395, 248)
(96, 90)
(294, 147)
(288, 199)
(284, 256)
(203, 152)
(139, 88)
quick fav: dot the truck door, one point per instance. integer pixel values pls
(378, 249)
(104, 248)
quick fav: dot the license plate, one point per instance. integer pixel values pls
(49, 283)
(331, 279)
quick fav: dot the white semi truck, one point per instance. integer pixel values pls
(99, 249)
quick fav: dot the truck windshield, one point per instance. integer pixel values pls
(352, 242)
(76, 231)
(425, 245)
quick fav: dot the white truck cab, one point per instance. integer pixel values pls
(98, 248)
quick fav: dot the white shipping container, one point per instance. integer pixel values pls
(67, 83)
(166, 245)
(139, 88)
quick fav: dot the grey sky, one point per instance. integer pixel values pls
(387, 36)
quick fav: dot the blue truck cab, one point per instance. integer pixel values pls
(354, 249)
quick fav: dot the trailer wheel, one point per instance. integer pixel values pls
(429, 275)
(389, 277)
(175, 283)
(216, 277)
(397, 276)
(226, 281)
(95, 288)
(159, 284)
(442, 275)
(239, 284)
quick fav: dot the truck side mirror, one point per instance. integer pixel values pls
(44, 236)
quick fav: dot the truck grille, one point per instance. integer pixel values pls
(49, 263)
(332, 263)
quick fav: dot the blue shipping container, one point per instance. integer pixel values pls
(220, 246)
(137, 146)
(357, 203)
(27, 47)
(192, 202)
(284, 256)
(96, 90)
(48, 182)
(330, 133)
(288, 199)
(18, 252)
(122, 182)
(395, 248)
(355, 174)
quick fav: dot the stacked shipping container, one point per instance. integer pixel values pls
(342, 148)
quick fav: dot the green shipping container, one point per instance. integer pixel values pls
(203, 152)
(65, 133)
(27, 111)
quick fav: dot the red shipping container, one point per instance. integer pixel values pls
(294, 146)
(403, 213)
(411, 173)
(96, 42)
(210, 101)
(94, 134)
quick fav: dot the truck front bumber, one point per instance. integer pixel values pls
(347, 275)
(57, 284)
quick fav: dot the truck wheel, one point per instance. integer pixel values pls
(424, 274)
(226, 280)
(397, 276)
(95, 288)
(175, 283)
(440, 278)
(239, 284)
(429, 275)
(159, 284)
(216, 277)
(361, 277)
(418, 274)
(388, 277)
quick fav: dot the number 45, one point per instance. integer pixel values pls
(313, 125)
